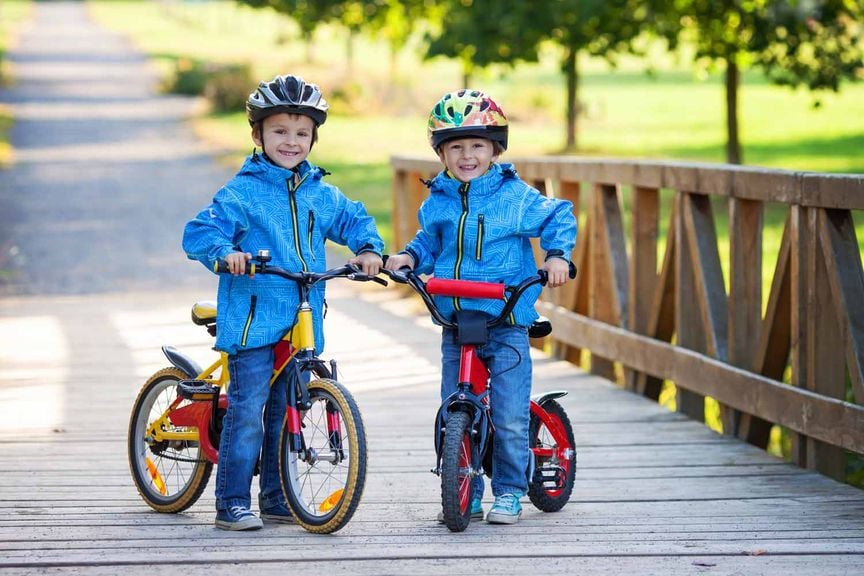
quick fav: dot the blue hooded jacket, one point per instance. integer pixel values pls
(481, 230)
(262, 208)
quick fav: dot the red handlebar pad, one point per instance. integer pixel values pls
(465, 289)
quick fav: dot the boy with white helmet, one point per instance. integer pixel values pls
(277, 202)
(476, 224)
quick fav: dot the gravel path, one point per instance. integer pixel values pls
(106, 171)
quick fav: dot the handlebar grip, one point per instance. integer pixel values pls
(465, 288)
(221, 267)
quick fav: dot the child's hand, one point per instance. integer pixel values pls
(398, 261)
(236, 262)
(369, 262)
(557, 269)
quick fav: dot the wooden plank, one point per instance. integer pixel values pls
(608, 288)
(745, 299)
(689, 329)
(843, 191)
(643, 265)
(826, 371)
(846, 280)
(701, 236)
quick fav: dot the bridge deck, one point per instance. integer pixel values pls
(655, 493)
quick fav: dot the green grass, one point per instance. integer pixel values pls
(13, 13)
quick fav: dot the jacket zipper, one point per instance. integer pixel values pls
(460, 236)
(294, 220)
(478, 253)
(252, 303)
(309, 234)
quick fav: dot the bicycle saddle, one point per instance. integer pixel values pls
(204, 312)
(540, 328)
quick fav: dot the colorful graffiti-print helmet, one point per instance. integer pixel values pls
(465, 114)
(288, 94)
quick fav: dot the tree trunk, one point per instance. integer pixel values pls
(571, 73)
(349, 55)
(467, 73)
(733, 143)
(310, 46)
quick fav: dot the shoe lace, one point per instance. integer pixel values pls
(507, 501)
(239, 511)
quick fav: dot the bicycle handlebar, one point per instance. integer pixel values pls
(464, 289)
(259, 265)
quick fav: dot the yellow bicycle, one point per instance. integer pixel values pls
(176, 421)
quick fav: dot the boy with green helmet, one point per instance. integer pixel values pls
(477, 224)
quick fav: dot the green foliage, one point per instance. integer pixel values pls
(812, 43)
(482, 32)
(815, 43)
(226, 86)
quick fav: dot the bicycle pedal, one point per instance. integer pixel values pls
(197, 390)
(552, 477)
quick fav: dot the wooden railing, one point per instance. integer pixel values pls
(644, 323)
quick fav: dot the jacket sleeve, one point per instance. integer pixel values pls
(216, 230)
(551, 220)
(426, 245)
(353, 227)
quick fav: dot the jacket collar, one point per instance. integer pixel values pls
(488, 183)
(256, 164)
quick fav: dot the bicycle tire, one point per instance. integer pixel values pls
(323, 492)
(456, 476)
(547, 498)
(171, 475)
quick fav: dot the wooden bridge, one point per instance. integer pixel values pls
(657, 492)
(106, 177)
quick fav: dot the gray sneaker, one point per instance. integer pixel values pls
(505, 510)
(237, 518)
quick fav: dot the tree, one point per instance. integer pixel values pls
(812, 43)
(396, 20)
(309, 14)
(481, 32)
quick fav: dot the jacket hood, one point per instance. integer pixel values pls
(488, 183)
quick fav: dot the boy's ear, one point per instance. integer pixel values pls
(256, 135)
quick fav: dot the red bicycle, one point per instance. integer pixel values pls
(464, 433)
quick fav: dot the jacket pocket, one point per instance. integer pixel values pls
(309, 233)
(253, 301)
(481, 225)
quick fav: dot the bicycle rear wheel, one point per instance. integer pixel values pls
(170, 475)
(456, 476)
(323, 482)
(552, 484)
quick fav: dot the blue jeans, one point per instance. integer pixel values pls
(507, 356)
(244, 438)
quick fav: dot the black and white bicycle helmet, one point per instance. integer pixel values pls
(286, 94)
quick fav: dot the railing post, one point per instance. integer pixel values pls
(643, 266)
(745, 308)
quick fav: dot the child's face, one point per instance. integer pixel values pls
(467, 158)
(285, 138)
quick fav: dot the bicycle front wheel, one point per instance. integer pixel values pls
(324, 480)
(170, 474)
(456, 475)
